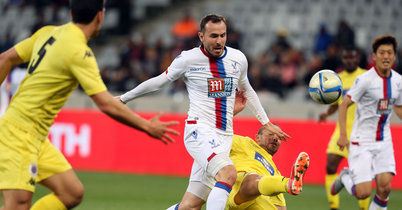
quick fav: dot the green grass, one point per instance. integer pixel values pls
(108, 191)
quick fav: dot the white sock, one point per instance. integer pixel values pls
(348, 183)
(174, 207)
(378, 204)
(218, 196)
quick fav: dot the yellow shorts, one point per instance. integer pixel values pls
(260, 203)
(26, 157)
(333, 147)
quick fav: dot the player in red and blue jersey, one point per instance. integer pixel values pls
(212, 73)
(371, 154)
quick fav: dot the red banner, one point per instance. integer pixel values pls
(91, 140)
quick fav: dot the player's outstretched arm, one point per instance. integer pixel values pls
(343, 108)
(123, 114)
(8, 59)
(331, 110)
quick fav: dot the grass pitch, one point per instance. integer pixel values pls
(109, 191)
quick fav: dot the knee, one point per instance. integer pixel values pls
(74, 196)
(363, 194)
(227, 174)
(331, 168)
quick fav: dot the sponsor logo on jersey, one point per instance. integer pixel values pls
(198, 69)
(385, 105)
(220, 87)
(265, 163)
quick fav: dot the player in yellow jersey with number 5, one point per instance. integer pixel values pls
(59, 59)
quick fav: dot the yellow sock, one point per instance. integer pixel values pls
(364, 204)
(49, 202)
(273, 185)
(332, 199)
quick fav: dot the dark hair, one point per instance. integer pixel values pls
(211, 17)
(262, 129)
(84, 11)
(350, 48)
(384, 39)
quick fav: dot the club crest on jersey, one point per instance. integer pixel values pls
(214, 144)
(235, 68)
(33, 169)
(220, 87)
(385, 105)
(265, 163)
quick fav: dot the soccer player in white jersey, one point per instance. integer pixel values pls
(371, 154)
(212, 73)
(10, 87)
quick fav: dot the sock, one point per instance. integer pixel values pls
(378, 203)
(364, 204)
(49, 202)
(348, 183)
(218, 196)
(332, 199)
(273, 185)
(174, 207)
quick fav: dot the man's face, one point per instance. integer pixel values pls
(214, 38)
(384, 57)
(350, 60)
(268, 141)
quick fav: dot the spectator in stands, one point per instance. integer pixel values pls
(322, 40)
(186, 29)
(332, 59)
(234, 36)
(345, 35)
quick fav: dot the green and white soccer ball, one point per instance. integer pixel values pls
(325, 87)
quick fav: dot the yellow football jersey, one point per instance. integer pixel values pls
(59, 59)
(347, 79)
(248, 156)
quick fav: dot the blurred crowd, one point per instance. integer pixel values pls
(279, 69)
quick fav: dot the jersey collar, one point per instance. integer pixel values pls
(376, 71)
(209, 56)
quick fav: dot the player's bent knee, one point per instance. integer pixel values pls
(227, 174)
(363, 195)
(331, 168)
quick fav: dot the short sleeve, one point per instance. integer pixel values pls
(86, 71)
(177, 68)
(358, 89)
(25, 47)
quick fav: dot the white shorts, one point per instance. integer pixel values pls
(210, 151)
(366, 160)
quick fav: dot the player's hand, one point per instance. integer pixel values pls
(240, 102)
(322, 117)
(117, 98)
(343, 142)
(276, 130)
(159, 129)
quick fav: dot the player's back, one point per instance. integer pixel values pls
(57, 56)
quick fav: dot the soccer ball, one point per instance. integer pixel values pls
(325, 87)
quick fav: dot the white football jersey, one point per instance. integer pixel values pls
(211, 84)
(375, 97)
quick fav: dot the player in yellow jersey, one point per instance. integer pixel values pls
(334, 154)
(59, 59)
(259, 184)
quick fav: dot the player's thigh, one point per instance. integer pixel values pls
(65, 184)
(360, 163)
(19, 150)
